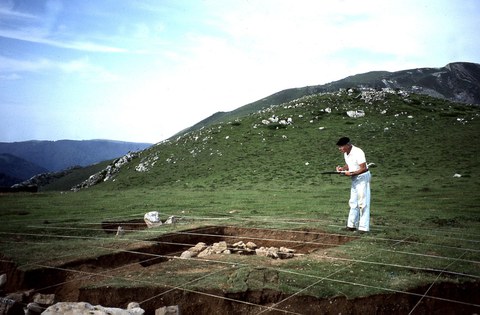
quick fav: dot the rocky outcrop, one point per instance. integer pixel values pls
(107, 173)
(43, 179)
(458, 82)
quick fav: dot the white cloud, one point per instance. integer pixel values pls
(7, 12)
(39, 29)
(313, 31)
(38, 36)
(80, 66)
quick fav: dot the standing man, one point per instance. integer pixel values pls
(356, 168)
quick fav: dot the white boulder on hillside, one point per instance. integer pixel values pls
(356, 113)
(152, 219)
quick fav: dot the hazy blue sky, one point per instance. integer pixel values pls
(143, 70)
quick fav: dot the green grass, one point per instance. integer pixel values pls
(244, 173)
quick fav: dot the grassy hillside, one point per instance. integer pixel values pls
(413, 136)
(241, 172)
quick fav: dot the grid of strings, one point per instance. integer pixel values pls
(469, 245)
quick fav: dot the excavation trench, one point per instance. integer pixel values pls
(87, 279)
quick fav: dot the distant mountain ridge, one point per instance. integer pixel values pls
(458, 82)
(62, 154)
(14, 169)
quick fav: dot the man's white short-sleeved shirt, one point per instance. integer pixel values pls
(354, 158)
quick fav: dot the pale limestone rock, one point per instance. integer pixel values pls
(219, 247)
(3, 280)
(152, 219)
(239, 245)
(168, 310)
(188, 254)
(171, 220)
(83, 308)
(44, 299)
(199, 247)
(206, 252)
(34, 308)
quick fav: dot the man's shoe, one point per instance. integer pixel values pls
(349, 229)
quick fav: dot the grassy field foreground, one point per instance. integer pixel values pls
(425, 220)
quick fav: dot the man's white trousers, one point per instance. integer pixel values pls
(359, 216)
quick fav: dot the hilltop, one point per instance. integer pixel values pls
(457, 82)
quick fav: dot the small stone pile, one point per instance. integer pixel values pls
(275, 252)
(202, 250)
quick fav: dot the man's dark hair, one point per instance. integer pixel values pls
(343, 141)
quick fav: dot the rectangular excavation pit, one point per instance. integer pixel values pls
(301, 241)
(79, 273)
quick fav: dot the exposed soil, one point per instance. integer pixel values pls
(83, 284)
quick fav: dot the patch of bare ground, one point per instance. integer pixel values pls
(253, 302)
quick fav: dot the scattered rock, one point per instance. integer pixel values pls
(194, 251)
(199, 247)
(206, 252)
(10, 307)
(251, 245)
(188, 254)
(242, 248)
(16, 296)
(120, 231)
(171, 220)
(44, 299)
(219, 247)
(356, 113)
(108, 173)
(239, 245)
(168, 310)
(34, 309)
(151, 219)
(83, 308)
(134, 306)
(3, 280)
(275, 252)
